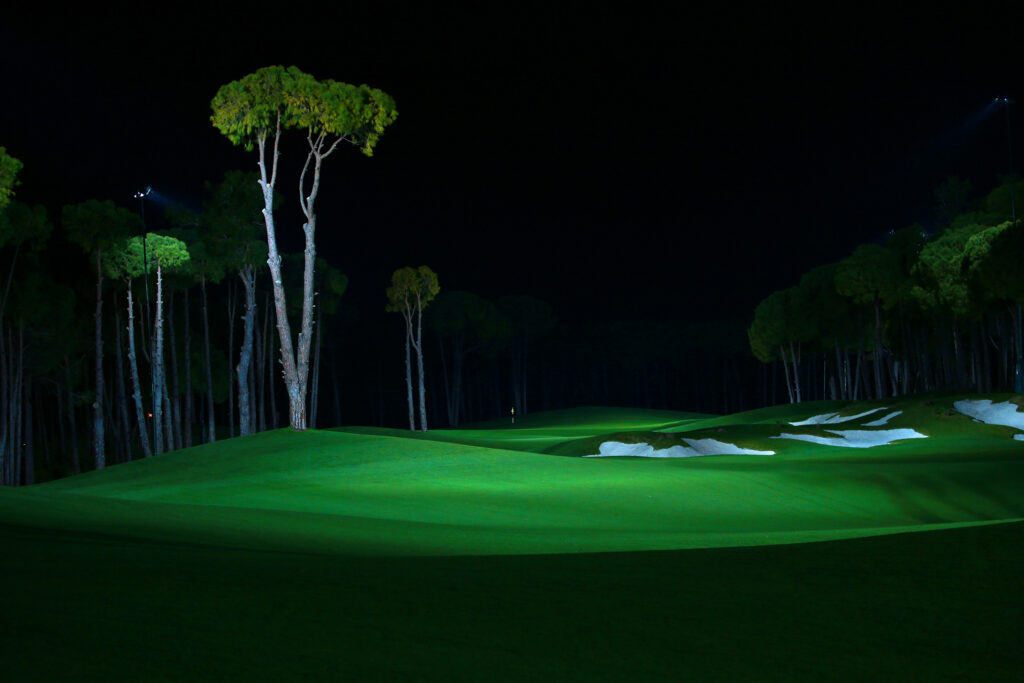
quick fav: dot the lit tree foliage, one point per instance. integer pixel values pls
(254, 111)
(9, 167)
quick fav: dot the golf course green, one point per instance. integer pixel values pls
(498, 551)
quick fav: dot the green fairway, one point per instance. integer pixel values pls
(491, 552)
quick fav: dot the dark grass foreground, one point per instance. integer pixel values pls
(492, 553)
(941, 605)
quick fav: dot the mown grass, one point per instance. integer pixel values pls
(452, 555)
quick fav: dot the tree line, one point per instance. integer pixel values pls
(922, 311)
(174, 349)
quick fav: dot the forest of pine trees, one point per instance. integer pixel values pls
(114, 347)
(921, 312)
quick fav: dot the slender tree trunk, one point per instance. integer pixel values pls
(158, 367)
(97, 404)
(175, 405)
(419, 364)
(408, 371)
(334, 388)
(122, 396)
(458, 360)
(879, 392)
(795, 357)
(75, 463)
(5, 407)
(44, 430)
(314, 390)
(168, 421)
(447, 383)
(19, 415)
(785, 367)
(839, 370)
(28, 465)
(908, 356)
(295, 367)
(232, 307)
(133, 366)
(261, 363)
(957, 356)
(245, 418)
(271, 389)
(211, 433)
(252, 386)
(189, 413)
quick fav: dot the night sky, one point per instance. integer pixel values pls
(674, 164)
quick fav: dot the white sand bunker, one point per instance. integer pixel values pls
(857, 438)
(834, 418)
(696, 448)
(983, 410)
(881, 421)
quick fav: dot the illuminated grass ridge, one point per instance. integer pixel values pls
(368, 545)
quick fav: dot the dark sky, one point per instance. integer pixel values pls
(672, 163)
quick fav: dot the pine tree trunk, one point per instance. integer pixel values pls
(957, 357)
(796, 372)
(419, 364)
(261, 362)
(168, 420)
(334, 388)
(19, 415)
(133, 367)
(314, 389)
(785, 367)
(458, 360)
(28, 466)
(122, 396)
(408, 372)
(97, 404)
(211, 433)
(44, 433)
(839, 370)
(158, 368)
(251, 383)
(5, 408)
(230, 353)
(447, 382)
(175, 404)
(271, 389)
(189, 412)
(75, 462)
(245, 418)
(293, 371)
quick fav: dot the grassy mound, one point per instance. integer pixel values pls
(367, 553)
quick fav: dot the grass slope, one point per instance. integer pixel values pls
(333, 554)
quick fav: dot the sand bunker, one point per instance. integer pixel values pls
(983, 410)
(833, 418)
(881, 421)
(856, 438)
(696, 448)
